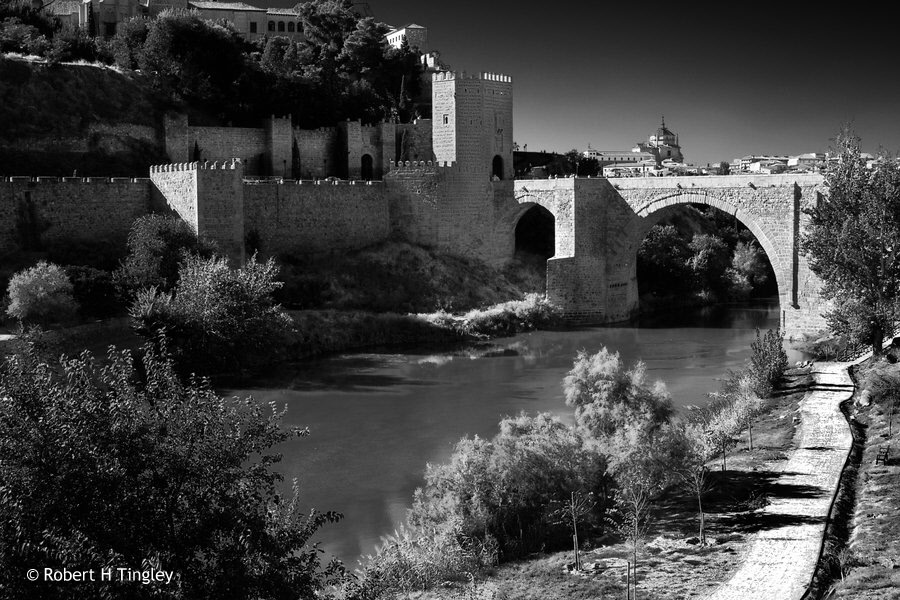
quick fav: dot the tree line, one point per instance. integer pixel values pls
(342, 69)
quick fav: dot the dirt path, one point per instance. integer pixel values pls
(781, 558)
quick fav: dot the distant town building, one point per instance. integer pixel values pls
(659, 155)
(663, 145)
(416, 36)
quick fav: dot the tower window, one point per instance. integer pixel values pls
(446, 119)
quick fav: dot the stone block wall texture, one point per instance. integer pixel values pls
(209, 197)
(279, 146)
(472, 124)
(251, 145)
(318, 153)
(177, 183)
(70, 209)
(308, 217)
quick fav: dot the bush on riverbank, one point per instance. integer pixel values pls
(768, 362)
(217, 318)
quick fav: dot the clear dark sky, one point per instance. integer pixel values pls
(775, 79)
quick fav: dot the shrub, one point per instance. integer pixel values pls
(41, 294)
(72, 43)
(768, 362)
(156, 246)
(413, 559)
(127, 466)
(93, 290)
(609, 397)
(218, 317)
(505, 489)
(512, 317)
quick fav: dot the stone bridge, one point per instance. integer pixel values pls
(600, 223)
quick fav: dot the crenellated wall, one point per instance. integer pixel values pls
(209, 197)
(307, 217)
(38, 211)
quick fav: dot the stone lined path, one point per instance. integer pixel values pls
(780, 561)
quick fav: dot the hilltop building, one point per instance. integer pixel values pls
(416, 36)
(656, 156)
(663, 145)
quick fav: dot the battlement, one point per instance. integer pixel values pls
(453, 75)
(419, 166)
(282, 181)
(73, 180)
(228, 165)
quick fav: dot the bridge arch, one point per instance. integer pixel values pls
(652, 211)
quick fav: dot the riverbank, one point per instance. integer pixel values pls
(672, 565)
(863, 559)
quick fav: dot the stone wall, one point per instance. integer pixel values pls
(305, 217)
(224, 143)
(209, 197)
(317, 153)
(50, 210)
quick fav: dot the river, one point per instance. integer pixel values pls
(377, 418)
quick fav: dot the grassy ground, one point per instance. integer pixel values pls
(868, 567)
(672, 565)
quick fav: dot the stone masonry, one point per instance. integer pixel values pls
(600, 225)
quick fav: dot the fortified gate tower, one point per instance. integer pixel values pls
(472, 140)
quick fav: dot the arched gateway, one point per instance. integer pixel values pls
(600, 225)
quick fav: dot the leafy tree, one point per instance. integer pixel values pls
(578, 164)
(126, 466)
(608, 397)
(196, 60)
(709, 262)
(41, 294)
(641, 466)
(692, 448)
(663, 261)
(505, 489)
(853, 243)
(724, 168)
(156, 246)
(217, 317)
(128, 43)
(749, 261)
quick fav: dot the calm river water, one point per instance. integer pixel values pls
(376, 418)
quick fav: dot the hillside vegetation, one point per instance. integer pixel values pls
(55, 119)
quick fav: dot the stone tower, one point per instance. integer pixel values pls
(472, 141)
(473, 122)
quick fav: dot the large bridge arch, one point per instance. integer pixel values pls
(654, 210)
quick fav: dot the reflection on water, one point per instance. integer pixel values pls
(377, 418)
